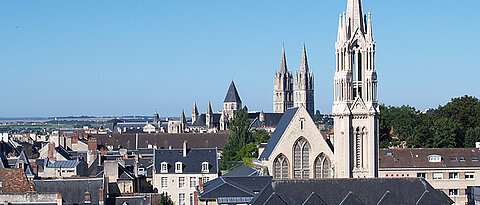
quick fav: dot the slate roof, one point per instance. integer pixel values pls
(352, 191)
(243, 171)
(232, 94)
(277, 134)
(201, 120)
(270, 119)
(13, 181)
(72, 190)
(195, 140)
(63, 152)
(62, 163)
(192, 163)
(226, 189)
(418, 158)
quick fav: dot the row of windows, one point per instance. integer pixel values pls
(181, 181)
(322, 166)
(179, 167)
(436, 175)
(181, 199)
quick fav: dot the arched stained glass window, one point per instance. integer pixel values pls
(301, 153)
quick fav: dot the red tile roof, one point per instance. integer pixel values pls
(13, 181)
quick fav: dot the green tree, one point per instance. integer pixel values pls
(165, 199)
(240, 137)
(446, 134)
(260, 136)
(472, 135)
(463, 110)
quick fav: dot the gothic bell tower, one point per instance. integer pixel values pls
(282, 87)
(355, 109)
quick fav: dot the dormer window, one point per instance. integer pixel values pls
(434, 158)
(178, 167)
(164, 167)
(205, 167)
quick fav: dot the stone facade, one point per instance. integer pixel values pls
(355, 108)
(297, 149)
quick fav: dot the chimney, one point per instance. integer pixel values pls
(51, 150)
(184, 148)
(136, 141)
(100, 196)
(200, 186)
(92, 144)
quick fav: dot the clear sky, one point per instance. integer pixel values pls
(61, 58)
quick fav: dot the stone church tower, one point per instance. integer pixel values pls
(355, 108)
(304, 86)
(282, 87)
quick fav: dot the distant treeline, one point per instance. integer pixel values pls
(456, 124)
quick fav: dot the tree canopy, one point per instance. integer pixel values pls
(456, 124)
(243, 141)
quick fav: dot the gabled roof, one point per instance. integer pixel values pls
(234, 189)
(352, 191)
(232, 94)
(72, 190)
(277, 134)
(13, 181)
(314, 199)
(192, 163)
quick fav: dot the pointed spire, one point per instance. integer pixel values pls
(355, 14)
(232, 94)
(340, 29)
(209, 108)
(283, 63)
(304, 63)
(195, 110)
(182, 118)
(370, 29)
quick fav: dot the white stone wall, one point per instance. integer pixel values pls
(173, 188)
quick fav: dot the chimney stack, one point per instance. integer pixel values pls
(184, 148)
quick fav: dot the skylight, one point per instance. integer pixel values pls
(434, 158)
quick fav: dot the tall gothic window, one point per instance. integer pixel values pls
(323, 168)
(280, 166)
(301, 159)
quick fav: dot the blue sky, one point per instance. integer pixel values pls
(61, 58)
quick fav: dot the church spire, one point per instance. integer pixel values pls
(304, 63)
(182, 118)
(355, 15)
(195, 110)
(283, 63)
(209, 108)
(340, 29)
(370, 29)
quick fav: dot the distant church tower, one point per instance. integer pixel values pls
(232, 102)
(304, 85)
(355, 106)
(282, 87)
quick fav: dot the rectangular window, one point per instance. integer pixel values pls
(191, 199)
(437, 175)
(422, 175)
(193, 181)
(181, 199)
(181, 182)
(206, 179)
(469, 175)
(164, 182)
(453, 175)
(453, 192)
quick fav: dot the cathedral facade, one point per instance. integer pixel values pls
(284, 95)
(296, 149)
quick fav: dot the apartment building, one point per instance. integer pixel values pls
(450, 170)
